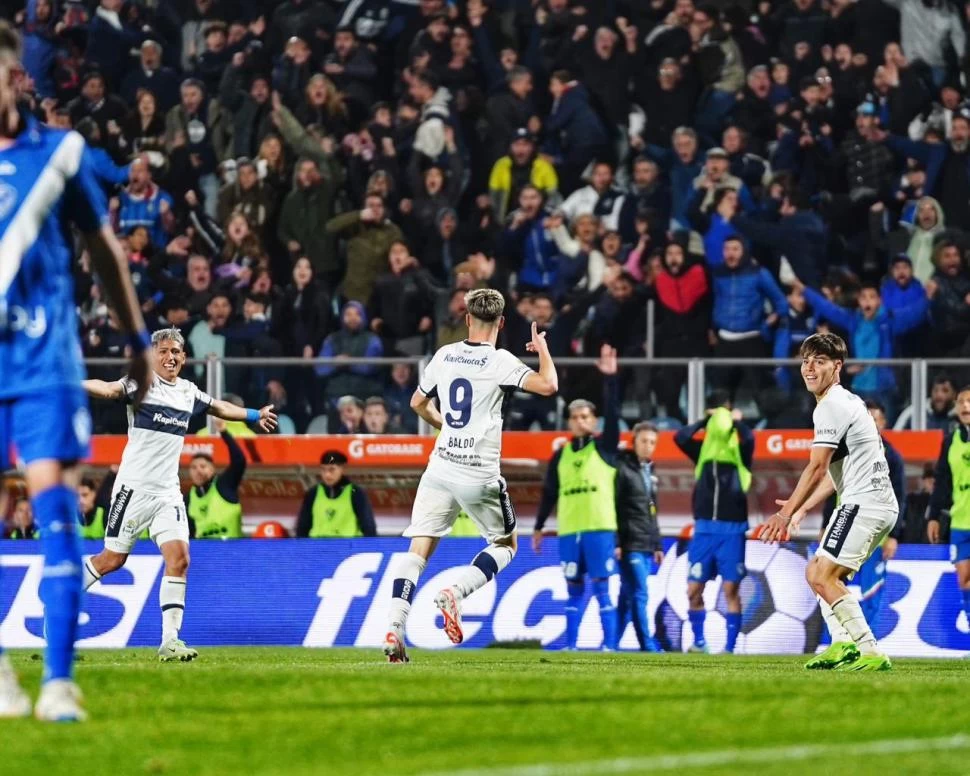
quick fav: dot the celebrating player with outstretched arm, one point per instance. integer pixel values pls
(46, 179)
(146, 492)
(472, 382)
(847, 458)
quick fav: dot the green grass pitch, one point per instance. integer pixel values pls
(260, 711)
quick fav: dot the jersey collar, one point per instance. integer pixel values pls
(477, 344)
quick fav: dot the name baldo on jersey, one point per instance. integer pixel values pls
(16, 318)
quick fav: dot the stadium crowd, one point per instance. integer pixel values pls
(323, 178)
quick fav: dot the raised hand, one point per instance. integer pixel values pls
(267, 418)
(538, 343)
(607, 363)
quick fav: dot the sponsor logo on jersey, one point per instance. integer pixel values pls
(15, 318)
(158, 417)
(465, 360)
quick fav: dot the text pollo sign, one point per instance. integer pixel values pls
(326, 593)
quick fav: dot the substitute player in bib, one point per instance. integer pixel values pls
(146, 492)
(952, 489)
(46, 181)
(847, 458)
(472, 382)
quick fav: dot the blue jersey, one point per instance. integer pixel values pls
(46, 181)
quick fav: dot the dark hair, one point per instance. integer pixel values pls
(872, 404)
(870, 284)
(563, 76)
(542, 295)
(798, 199)
(940, 379)
(720, 194)
(830, 345)
(718, 398)
(428, 78)
(204, 457)
(345, 28)
(964, 389)
(258, 298)
(87, 482)
(734, 238)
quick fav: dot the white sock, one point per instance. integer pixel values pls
(836, 630)
(406, 576)
(849, 614)
(91, 574)
(171, 597)
(486, 565)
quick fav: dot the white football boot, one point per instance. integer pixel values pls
(14, 702)
(60, 701)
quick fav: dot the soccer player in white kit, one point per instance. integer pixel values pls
(847, 458)
(146, 492)
(472, 382)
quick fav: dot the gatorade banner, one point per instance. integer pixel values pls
(325, 593)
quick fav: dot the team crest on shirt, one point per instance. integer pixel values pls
(7, 167)
(82, 425)
(8, 199)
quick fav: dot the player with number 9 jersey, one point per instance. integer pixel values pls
(472, 382)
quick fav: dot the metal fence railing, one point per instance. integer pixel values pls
(766, 390)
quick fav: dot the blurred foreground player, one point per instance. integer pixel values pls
(146, 492)
(847, 458)
(47, 181)
(472, 382)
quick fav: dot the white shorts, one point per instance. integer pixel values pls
(437, 503)
(132, 512)
(853, 534)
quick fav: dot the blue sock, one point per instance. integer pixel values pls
(574, 609)
(697, 618)
(966, 603)
(733, 629)
(60, 589)
(601, 589)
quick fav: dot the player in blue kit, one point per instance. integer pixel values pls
(46, 182)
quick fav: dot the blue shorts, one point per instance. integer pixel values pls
(588, 553)
(711, 554)
(53, 425)
(959, 545)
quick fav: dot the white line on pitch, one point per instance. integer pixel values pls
(668, 762)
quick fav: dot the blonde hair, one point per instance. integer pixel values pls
(485, 304)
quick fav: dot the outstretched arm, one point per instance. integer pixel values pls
(264, 416)
(100, 389)
(824, 489)
(808, 483)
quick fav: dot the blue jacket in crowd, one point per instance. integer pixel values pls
(40, 49)
(802, 238)
(871, 338)
(739, 302)
(681, 181)
(532, 244)
(574, 122)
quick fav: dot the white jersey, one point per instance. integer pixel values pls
(156, 431)
(858, 469)
(472, 381)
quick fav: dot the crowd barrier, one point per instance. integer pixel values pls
(326, 593)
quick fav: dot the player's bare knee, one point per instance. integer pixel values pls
(107, 561)
(176, 556)
(510, 541)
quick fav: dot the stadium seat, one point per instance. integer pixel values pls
(286, 425)
(319, 425)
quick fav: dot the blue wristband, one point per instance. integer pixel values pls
(252, 416)
(140, 342)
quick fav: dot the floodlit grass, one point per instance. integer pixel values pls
(300, 711)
